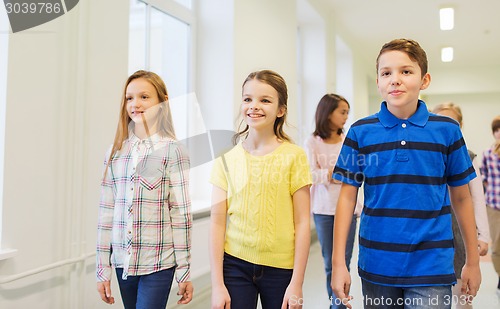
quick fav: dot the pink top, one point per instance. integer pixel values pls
(322, 159)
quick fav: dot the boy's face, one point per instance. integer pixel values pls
(496, 134)
(399, 81)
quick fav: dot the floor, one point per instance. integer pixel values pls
(315, 295)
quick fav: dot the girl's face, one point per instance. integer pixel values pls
(339, 116)
(260, 106)
(142, 100)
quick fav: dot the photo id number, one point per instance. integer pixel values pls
(33, 8)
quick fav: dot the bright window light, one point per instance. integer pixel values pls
(447, 54)
(446, 18)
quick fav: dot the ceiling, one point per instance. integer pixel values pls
(476, 37)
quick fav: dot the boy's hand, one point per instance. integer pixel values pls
(104, 289)
(186, 290)
(471, 280)
(341, 284)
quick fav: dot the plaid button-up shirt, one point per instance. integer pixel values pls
(145, 220)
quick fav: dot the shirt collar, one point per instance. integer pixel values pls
(149, 142)
(419, 118)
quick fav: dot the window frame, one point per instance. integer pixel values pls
(183, 14)
(188, 16)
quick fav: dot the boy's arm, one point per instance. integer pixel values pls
(341, 279)
(461, 202)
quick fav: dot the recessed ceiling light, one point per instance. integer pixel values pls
(446, 18)
(447, 54)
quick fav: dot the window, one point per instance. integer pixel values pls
(161, 40)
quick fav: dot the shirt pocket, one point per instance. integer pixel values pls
(151, 178)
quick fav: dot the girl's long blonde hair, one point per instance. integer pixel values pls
(164, 119)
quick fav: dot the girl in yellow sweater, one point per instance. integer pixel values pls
(259, 235)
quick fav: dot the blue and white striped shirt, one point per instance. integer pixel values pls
(406, 164)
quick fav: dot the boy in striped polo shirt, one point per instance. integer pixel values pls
(406, 157)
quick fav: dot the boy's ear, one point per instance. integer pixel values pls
(426, 81)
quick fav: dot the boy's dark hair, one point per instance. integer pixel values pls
(328, 103)
(411, 48)
(495, 124)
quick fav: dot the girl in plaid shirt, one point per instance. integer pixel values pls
(144, 226)
(490, 170)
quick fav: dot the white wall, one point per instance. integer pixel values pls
(215, 63)
(265, 37)
(477, 93)
(312, 66)
(464, 80)
(64, 84)
(478, 111)
(214, 78)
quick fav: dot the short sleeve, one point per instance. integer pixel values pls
(179, 203)
(348, 168)
(300, 173)
(218, 175)
(105, 223)
(459, 170)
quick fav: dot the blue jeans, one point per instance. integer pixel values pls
(146, 291)
(245, 281)
(324, 229)
(421, 297)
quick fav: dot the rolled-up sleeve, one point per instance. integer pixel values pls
(180, 211)
(105, 225)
